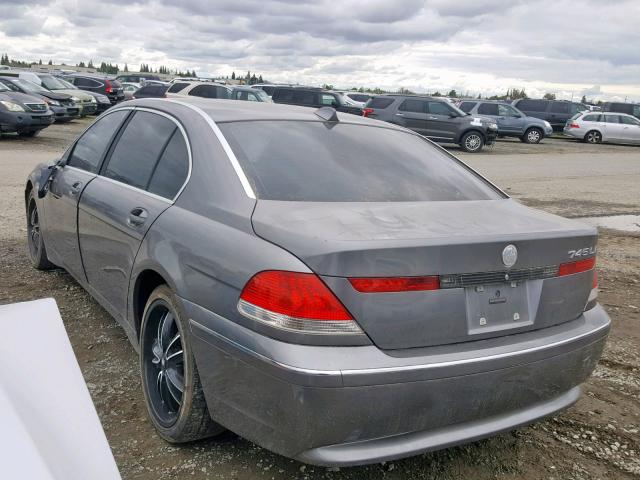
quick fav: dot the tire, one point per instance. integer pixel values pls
(35, 243)
(167, 365)
(472, 142)
(532, 135)
(593, 136)
(30, 133)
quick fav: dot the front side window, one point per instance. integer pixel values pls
(507, 111)
(413, 105)
(611, 119)
(327, 99)
(629, 120)
(321, 162)
(578, 107)
(138, 149)
(488, 109)
(92, 145)
(441, 108)
(303, 97)
(176, 87)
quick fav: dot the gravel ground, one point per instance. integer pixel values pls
(597, 438)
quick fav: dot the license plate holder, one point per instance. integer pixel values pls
(497, 307)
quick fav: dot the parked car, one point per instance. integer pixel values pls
(312, 97)
(595, 127)
(139, 79)
(356, 99)
(98, 84)
(268, 88)
(87, 103)
(177, 86)
(61, 104)
(151, 91)
(24, 114)
(335, 289)
(434, 118)
(249, 94)
(200, 89)
(556, 112)
(511, 121)
(102, 101)
(621, 107)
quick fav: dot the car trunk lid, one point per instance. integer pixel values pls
(460, 242)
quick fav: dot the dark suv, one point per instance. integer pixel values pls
(511, 121)
(98, 84)
(621, 107)
(312, 97)
(556, 112)
(434, 118)
(24, 114)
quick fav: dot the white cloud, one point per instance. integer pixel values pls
(560, 46)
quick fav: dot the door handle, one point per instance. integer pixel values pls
(75, 189)
(137, 217)
(432, 118)
(399, 114)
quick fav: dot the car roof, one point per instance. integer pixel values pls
(412, 95)
(222, 110)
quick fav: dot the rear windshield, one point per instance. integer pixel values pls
(325, 162)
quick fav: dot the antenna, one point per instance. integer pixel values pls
(328, 114)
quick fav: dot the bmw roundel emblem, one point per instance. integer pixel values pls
(509, 255)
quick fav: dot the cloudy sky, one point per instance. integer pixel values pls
(567, 47)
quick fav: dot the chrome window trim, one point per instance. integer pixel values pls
(170, 201)
(225, 146)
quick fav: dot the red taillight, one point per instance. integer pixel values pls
(299, 295)
(574, 125)
(395, 284)
(367, 111)
(108, 86)
(576, 267)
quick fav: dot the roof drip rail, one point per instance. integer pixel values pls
(328, 114)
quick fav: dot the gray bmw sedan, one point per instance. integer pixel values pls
(333, 288)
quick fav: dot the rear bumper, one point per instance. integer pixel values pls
(356, 405)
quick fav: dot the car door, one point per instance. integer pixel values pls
(630, 129)
(119, 206)
(559, 113)
(442, 121)
(613, 127)
(412, 114)
(512, 120)
(68, 183)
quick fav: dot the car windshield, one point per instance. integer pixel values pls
(3, 87)
(327, 162)
(29, 86)
(68, 85)
(262, 94)
(53, 83)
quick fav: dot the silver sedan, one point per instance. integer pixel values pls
(612, 127)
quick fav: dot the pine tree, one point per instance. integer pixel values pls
(50, 62)
(260, 79)
(126, 67)
(233, 75)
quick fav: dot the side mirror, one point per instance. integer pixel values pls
(46, 175)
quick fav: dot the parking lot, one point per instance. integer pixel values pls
(597, 438)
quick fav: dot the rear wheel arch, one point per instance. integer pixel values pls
(27, 191)
(146, 282)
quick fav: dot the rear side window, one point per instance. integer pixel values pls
(137, 150)
(413, 105)
(379, 102)
(532, 105)
(176, 87)
(304, 97)
(559, 107)
(320, 162)
(172, 169)
(589, 118)
(91, 147)
(283, 95)
(488, 109)
(466, 107)
(611, 119)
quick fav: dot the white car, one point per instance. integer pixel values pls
(356, 99)
(594, 127)
(199, 89)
